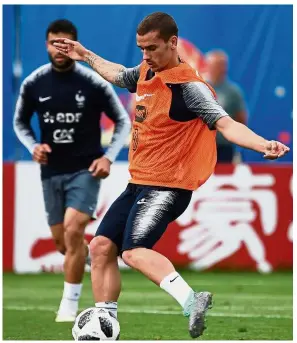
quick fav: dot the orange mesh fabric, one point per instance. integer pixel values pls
(164, 152)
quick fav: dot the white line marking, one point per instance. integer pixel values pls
(161, 312)
(154, 295)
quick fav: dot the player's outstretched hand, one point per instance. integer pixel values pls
(274, 150)
(70, 48)
(40, 153)
(100, 167)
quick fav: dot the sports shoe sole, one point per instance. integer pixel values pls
(64, 319)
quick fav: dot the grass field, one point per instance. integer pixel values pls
(247, 306)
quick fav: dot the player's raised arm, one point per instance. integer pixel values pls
(111, 72)
(240, 134)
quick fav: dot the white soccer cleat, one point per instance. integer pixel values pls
(65, 318)
(67, 311)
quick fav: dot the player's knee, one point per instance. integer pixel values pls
(74, 237)
(75, 223)
(101, 248)
(131, 257)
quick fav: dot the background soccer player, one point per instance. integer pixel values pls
(69, 99)
(229, 96)
(172, 153)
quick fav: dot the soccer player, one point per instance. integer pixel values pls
(172, 153)
(69, 99)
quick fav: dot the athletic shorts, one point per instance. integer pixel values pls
(77, 190)
(141, 214)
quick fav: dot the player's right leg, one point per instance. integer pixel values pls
(74, 264)
(105, 247)
(53, 194)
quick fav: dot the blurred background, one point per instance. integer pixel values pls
(257, 39)
(239, 221)
(256, 45)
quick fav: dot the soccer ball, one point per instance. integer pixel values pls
(96, 324)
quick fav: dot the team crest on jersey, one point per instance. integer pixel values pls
(140, 113)
(80, 99)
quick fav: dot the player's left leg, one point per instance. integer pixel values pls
(81, 194)
(154, 209)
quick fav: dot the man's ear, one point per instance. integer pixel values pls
(173, 42)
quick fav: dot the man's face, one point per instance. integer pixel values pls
(57, 59)
(156, 52)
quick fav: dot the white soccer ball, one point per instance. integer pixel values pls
(96, 324)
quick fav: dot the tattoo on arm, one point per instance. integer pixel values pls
(110, 71)
(119, 80)
(91, 59)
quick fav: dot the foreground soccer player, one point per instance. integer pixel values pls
(172, 153)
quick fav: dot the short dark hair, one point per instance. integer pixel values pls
(158, 21)
(62, 25)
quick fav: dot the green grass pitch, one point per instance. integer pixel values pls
(247, 306)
